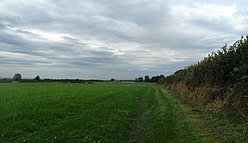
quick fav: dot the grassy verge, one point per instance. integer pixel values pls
(222, 127)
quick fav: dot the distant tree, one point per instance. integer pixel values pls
(136, 80)
(161, 76)
(17, 77)
(147, 78)
(37, 78)
(112, 79)
(141, 79)
(154, 79)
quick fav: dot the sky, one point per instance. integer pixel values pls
(122, 39)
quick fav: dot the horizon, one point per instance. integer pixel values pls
(93, 39)
(45, 78)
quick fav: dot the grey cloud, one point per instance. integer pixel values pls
(27, 33)
(11, 39)
(24, 63)
(129, 37)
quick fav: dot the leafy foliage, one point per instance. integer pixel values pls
(223, 75)
(223, 68)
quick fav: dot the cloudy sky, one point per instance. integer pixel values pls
(122, 39)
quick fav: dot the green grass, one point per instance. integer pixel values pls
(221, 128)
(169, 121)
(61, 112)
(100, 112)
(230, 128)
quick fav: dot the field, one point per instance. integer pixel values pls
(99, 112)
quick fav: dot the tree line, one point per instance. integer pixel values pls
(154, 79)
(18, 78)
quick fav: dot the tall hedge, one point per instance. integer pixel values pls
(223, 68)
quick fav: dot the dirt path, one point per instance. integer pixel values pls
(167, 120)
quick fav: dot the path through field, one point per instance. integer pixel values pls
(167, 121)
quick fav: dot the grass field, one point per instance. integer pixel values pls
(100, 112)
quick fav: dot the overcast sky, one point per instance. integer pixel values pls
(120, 39)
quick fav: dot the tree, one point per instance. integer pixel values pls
(161, 76)
(37, 78)
(136, 80)
(17, 77)
(147, 78)
(155, 78)
(140, 79)
(112, 79)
